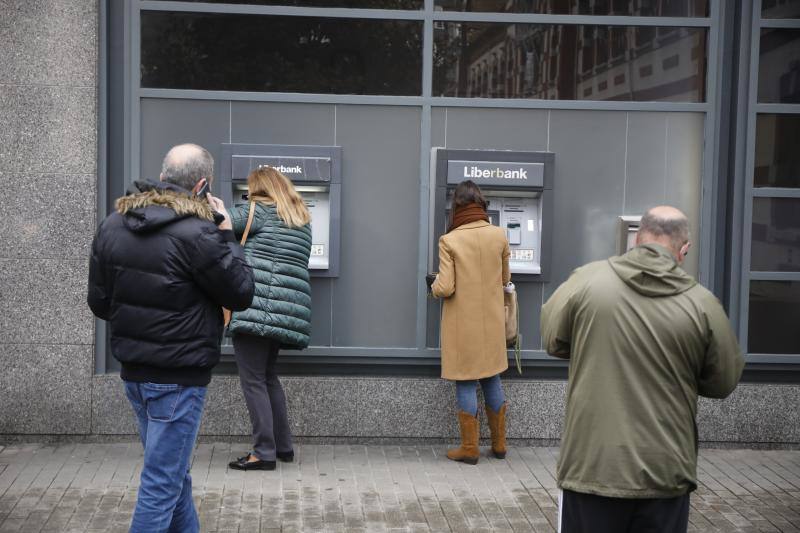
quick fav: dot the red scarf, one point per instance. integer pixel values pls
(466, 214)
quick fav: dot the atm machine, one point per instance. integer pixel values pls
(627, 229)
(519, 189)
(315, 171)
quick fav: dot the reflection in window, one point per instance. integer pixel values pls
(281, 54)
(777, 156)
(776, 235)
(642, 8)
(365, 4)
(568, 62)
(780, 9)
(773, 317)
(779, 66)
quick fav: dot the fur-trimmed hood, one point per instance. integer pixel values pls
(159, 204)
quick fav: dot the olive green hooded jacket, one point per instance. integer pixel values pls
(281, 308)
(644, 339)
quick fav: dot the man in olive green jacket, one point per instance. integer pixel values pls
(644, 339)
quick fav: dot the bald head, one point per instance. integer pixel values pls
(667, 226)
(186, 164)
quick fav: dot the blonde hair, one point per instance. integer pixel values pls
(267, 184)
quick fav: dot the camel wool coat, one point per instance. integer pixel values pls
(473, 267)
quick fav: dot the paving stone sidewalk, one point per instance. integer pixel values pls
(352, 488)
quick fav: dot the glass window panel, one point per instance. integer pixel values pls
(641, 8)
(779, 66)
(780, 9)
(281, 54)
(776, 235)
(774, 307)
(569, 62)
(363, 4)
(777, 154)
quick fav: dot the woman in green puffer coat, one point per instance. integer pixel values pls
(278, 247)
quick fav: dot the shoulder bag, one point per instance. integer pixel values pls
(512, 322)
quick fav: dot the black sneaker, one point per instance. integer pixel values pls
(286, 457)
(243, 463)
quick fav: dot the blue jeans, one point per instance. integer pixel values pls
(467, 394)
(169, 419)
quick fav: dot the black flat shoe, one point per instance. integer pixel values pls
(286, 457)
(242, 463)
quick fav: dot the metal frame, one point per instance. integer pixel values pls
(426, 102)
(750, 192)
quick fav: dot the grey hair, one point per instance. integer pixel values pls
(186, 164)
(675, 228)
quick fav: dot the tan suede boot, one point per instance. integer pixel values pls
(468, 452)
(497, 427)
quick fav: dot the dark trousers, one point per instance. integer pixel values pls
(263, 393)
(587, 513)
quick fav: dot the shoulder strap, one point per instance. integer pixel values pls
(249, 223)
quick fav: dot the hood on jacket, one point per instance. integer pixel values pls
(159, 204)
(651, 270)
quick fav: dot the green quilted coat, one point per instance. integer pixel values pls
(281, 307)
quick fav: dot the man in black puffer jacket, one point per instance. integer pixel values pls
(162, 266)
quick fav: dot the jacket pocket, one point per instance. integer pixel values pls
(161, 400)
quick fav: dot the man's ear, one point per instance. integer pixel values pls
(684, 251)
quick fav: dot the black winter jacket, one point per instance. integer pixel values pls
(160, 272)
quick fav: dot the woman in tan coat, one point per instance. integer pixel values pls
(473, 269)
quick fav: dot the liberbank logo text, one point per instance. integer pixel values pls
(285, 170)
(494, 173)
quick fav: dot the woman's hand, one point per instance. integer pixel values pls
(219, 206)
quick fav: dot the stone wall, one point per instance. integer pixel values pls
(381, 408)
(48, 161)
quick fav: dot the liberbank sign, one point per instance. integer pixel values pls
(496, 173)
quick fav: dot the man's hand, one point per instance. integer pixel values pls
(219, 206)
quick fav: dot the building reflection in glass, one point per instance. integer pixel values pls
(773, 317)
(569, 62)
(780, 9)
(779, 66)
(776, 235)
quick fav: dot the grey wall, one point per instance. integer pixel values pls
(48, 164)
(373, 301)
(607, 163)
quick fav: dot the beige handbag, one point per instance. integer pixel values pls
(226, 313)
(512, 322)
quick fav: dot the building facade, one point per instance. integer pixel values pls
(633, 103)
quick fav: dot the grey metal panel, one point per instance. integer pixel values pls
(684, 148)
(321, 310)
(439, 126)
(588, 185)
(664, 166)
(499, 129)
(276, 123)
(645, 171)
(166, 123)
(529, 296)
(380, 227)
